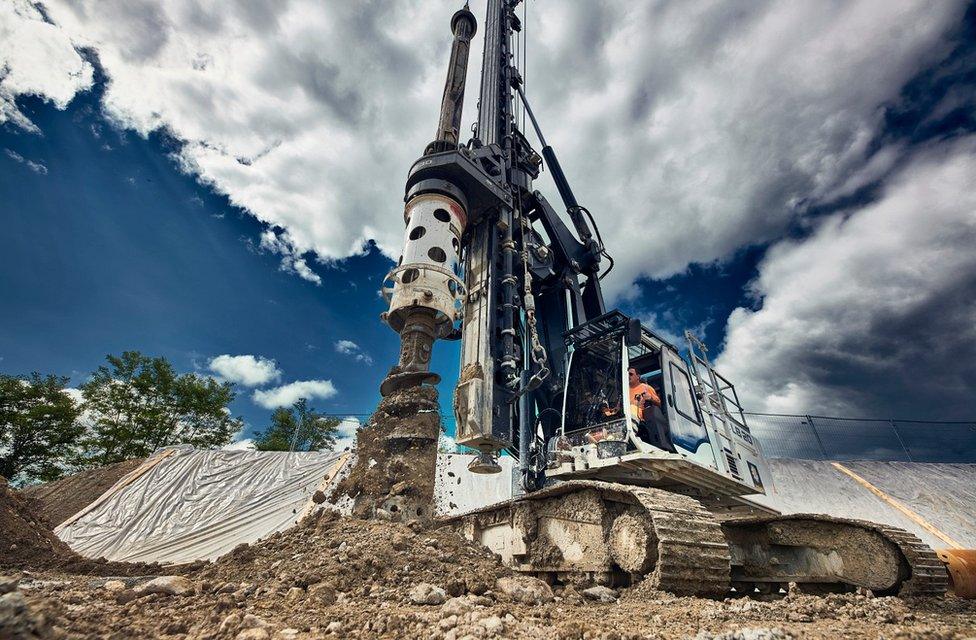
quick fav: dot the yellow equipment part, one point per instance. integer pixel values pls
(961, 564)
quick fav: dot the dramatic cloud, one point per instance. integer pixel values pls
(36, 58)
(353, 350)
(705, 126)
(875, 312)
(691, 130)
(288, 394)
(694, 129)
(250, 371)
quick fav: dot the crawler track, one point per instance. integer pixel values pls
(692, 554)
(920, 572)
(928, 574)
(616, 532)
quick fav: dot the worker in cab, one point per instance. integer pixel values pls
(641, 394)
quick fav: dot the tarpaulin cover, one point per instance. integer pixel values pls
(184, 504)
(943, 495)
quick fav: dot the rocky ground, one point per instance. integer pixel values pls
(337, 577)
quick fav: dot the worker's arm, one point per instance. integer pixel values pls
(650, 395)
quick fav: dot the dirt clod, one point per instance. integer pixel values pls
(396, 456)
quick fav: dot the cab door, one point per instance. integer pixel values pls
(685, 421)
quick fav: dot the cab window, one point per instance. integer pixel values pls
(684, 401)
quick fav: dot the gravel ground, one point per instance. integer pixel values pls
(336, 577)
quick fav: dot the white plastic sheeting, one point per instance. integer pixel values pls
(184, 505)
(944, 495)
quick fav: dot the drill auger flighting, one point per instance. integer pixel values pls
(426, 291)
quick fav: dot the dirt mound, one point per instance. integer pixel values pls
(396, 457)
(25, 539)
(26, 542)
(367, 558)
(59, 500)
(347, 578)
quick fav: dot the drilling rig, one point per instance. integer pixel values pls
(614, 488)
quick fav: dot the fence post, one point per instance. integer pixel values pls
(891, 421)
(817, 436)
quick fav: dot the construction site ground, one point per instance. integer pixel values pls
(337, 577)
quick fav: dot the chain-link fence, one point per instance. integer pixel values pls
(825, 438)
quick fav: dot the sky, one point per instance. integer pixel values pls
(221, 184)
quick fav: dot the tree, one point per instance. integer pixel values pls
(138, 404)
(299, 428)
(38, 426)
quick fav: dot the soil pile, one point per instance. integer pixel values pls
(396, 458)
(335, 577)
(27, 542)
(59, 500)
(300, 588)
(370, 558)
(25, 538)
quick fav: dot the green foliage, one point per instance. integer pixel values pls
(38, 426)
(137, 404)
(299, 428)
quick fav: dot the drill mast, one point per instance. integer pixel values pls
(483, 247)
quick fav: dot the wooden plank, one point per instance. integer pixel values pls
(911, 515)
(326, 481)
(123, 482)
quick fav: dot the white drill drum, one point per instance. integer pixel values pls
(427, 274)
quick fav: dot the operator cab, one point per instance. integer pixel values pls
(696, 437)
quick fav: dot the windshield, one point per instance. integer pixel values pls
(594, 390)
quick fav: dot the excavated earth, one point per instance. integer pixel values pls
(396, 456)
(335, 577)
(26, 541)
(347, 577)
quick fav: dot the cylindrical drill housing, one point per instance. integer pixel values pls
(427, 274)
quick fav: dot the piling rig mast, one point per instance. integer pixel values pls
(636, 492)
(522, 289)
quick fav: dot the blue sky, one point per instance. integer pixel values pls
(110, 247)
(791, 182)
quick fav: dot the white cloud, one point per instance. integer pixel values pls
(290, 393)
(244, 444)
(353, 350)
(447, 444)
(36, 167)
(706, 126)
(37, 58)
(248, 370)
(292, 260)
(875, 313)
(346, 435)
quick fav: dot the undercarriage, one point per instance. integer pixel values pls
(617, 534)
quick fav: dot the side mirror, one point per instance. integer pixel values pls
(633, 332)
